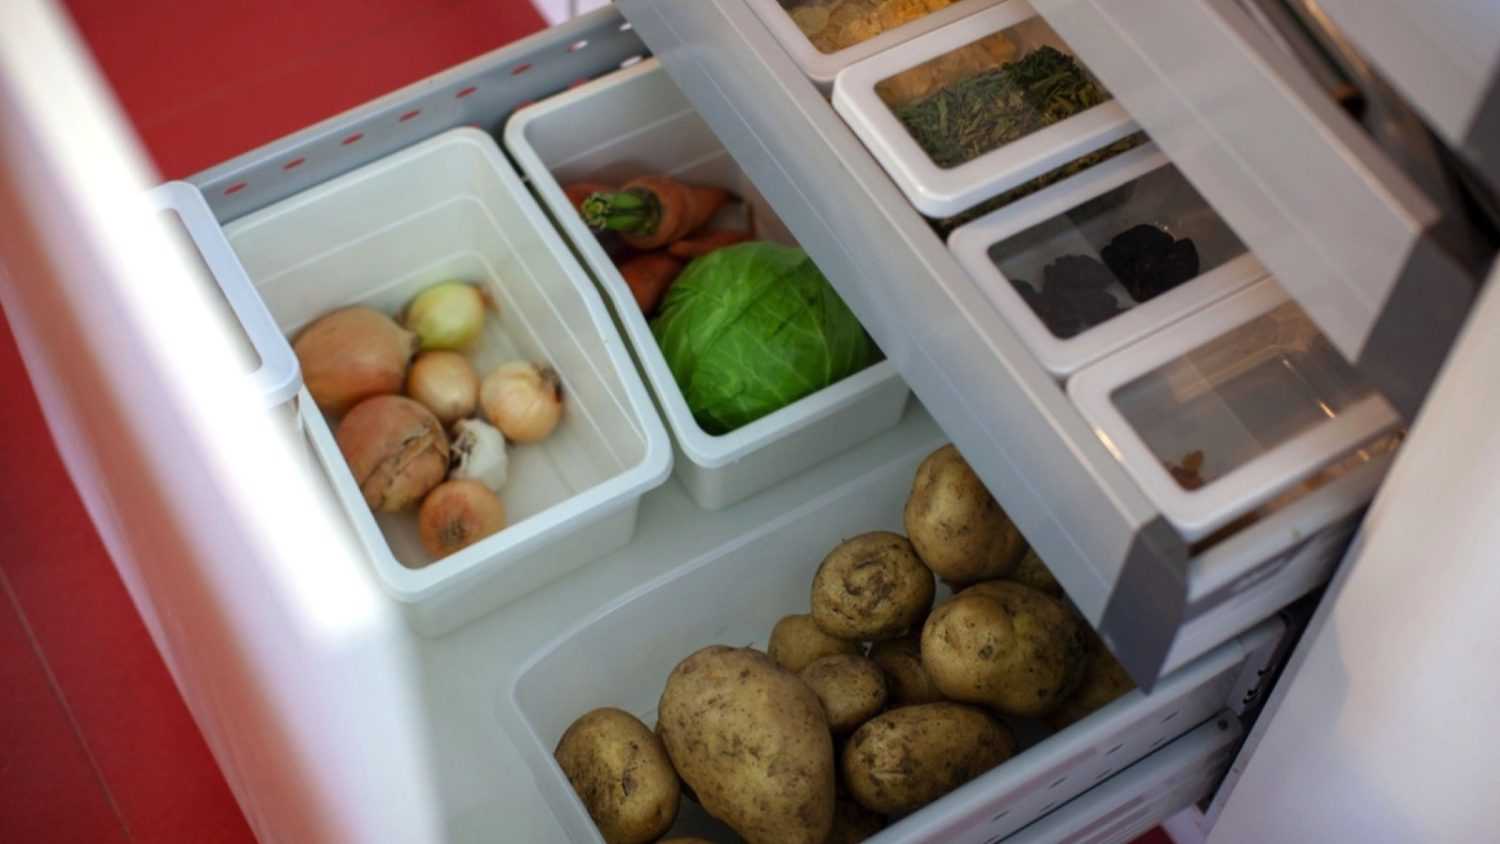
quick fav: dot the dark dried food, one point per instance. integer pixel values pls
(1148, 262)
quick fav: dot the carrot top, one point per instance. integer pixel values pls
(633, 210)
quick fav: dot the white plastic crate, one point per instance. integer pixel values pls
(450, 207)
(635, 122)
(823, 67)
(621, 655)
(1079, 216)
(944, 192)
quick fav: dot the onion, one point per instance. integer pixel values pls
(445, 383)
(458, 514)
(352, 354)
(447, 315)
(396, 449)
(523, 400)
(479, 454)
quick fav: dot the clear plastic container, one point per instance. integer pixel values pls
(1102, 259)
(1236, 405)
(451, 208)
(977, 107)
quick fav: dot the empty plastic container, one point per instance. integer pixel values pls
(451, 208)
(636, 122)
(1232, 407)
(977, 107)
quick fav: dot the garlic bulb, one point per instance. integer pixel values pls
(479, 454)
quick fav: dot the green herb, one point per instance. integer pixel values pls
(992, 108)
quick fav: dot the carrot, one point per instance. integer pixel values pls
(650, 276)
(579, 191)
(652, 211)
(696, 247)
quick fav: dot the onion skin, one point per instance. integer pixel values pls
(352, 354)
(445, 383)
(524, 400)
(458, 514)
(396, 449)
(449, 315)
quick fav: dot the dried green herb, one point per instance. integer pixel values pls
(990, 109)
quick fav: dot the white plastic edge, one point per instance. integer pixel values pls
(1198, 513)
(939, 192)
(971, 243)
(700, 447)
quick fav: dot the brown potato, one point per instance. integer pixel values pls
(796, 642)
(957, 527)
(1031, 571)
(1005, 646)
(906, 680)
(853, 823)
(753, 743)
(685, 841)
(852, 689)
(871, 587)
(1104, 679)
(621, 772)
(901, 761)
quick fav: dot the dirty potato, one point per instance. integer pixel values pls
(853, 823)
(906, 681)
(852, 689)
(796, 642)
(1031, 571)
(871, 587)
(1104, 679)
(957, 527)
(621, 772)
(1005, 646)
(901, 761)
(753, 743)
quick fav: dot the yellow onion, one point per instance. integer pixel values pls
(446, 316)
(445, 383)
(524, 400)
(351, 355)
(458, 514)
(396, 449)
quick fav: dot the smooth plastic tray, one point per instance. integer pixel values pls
(823, 67)
(945, 192)
(1250, 383)
(451, 207)
(1078, 216)
(634, 122)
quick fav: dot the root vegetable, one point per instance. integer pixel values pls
(524, 400)
(652, 211)
(445, 383)
(446, 316)
(479, 454)
(458, 514)
(352, 354)
(396, 449)
(650, 276)
(696, 247)
(579, 191)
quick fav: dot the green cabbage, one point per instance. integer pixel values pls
(749, 329)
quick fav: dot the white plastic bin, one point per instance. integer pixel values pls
(451, 207)
(1080, 216)
(821, 67)
(1232, 407)
(635, 122)
(981, 42)
(621, 656)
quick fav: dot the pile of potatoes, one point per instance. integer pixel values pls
(870, 706)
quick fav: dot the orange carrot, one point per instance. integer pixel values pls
(579, 191)
(696, 247)
(652, 211)
(650, 276)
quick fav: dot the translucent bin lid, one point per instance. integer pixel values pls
(834, 25)
(1229, 409)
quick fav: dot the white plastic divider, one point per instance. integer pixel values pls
(636, 122)
(945, 192)
(1160, 185)
(451, 207)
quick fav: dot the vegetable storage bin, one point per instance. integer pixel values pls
(621, 656)
(1235, 405)
(635, 122)
(941, 86)
(1089, 265)
(826, 36)
(451, 207)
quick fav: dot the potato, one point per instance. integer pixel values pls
(852, 689)
(685, 841)
(906, 681)
(753, 743)
(1005, 646)
(957, 527)
(1031, 571)
(796, 642)
(1104, 679)
(871, 587)
(853, 823)
(621, 772)
(901, 761)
